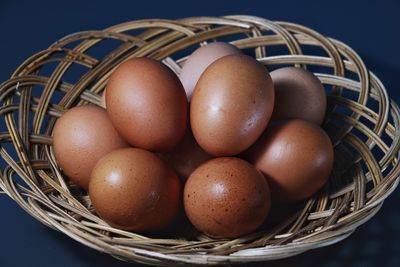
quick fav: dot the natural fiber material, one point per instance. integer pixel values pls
(361, 120)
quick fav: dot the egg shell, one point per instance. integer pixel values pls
(226, 198)
(200, 59)
(299, 94)
(81, 136)
(147, 104)
(186, 156)
(231, 105)
(134, 190)
(296, 156)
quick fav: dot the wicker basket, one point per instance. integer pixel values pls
(361, 120)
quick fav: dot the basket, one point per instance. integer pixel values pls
(362, 122)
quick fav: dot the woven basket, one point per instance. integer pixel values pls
(362, 122)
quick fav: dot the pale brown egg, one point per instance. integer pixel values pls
(231, 105)
(81, 136)
(296, 156)
(200, 59)
(133, 189)
(147, 104)
(299, 94)
(226, 198)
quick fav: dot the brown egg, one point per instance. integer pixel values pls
(231, 105)
(147, 104)
(296, 156)
(299, 94)
(81, 136)
(186, 156)
(200, 60)
(226, 198)
(134, 190)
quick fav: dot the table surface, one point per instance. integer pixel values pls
(370, 27)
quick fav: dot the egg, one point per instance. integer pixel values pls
(147, 104)
(296, 156)
(200, 59)
(186, 156)
(81, 136)
(231, 105)
(299, 94)
(226, 198)
(133, 189)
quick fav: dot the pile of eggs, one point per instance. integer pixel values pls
(223, 142)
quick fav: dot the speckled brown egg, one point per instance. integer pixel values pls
(299, 94)
(226, 198)
(186, 156)
(81, 136)
(200, 59)
(231, 105)
(134, 190)
(296, 156)
(147, 104)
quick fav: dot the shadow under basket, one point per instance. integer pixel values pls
(361, 120)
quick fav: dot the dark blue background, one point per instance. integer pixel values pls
(370, 27)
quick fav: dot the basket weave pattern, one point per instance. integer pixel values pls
(362, 122)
